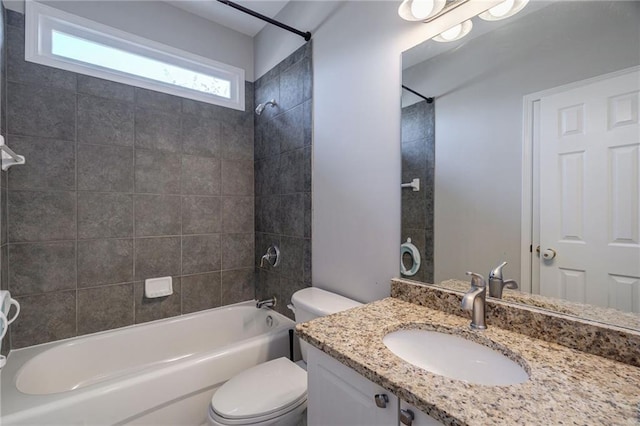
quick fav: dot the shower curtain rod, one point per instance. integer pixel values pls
(305, 35)
(429, 100)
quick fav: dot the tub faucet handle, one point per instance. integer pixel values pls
(272, 256)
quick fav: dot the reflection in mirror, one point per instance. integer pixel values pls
(418, 161)
(537, 143)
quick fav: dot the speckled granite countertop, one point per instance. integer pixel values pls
(566, 386)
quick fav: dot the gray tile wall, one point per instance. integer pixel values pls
(4, 282)
(283, 136)
(121, 184)
(418, 161)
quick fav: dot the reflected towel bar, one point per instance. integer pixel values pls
(9, 158)
(414, 184)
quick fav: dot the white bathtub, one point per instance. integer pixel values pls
(163, 372)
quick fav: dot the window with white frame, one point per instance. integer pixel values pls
(61, 40)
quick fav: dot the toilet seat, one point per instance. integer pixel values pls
(278, 418)
(261, 393)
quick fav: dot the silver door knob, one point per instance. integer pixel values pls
(549, 254)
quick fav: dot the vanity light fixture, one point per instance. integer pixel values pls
(454, 33)
(503, 10)
(419, 10)
(430, 10)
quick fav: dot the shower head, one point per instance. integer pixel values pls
(261, 107)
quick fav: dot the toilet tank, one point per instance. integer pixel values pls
(312, 302)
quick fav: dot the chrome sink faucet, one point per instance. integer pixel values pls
(474, 301)
(497, 283)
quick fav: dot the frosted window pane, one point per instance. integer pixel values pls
(86, 51)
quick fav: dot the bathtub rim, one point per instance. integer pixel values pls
(175, 318)
(14, 401)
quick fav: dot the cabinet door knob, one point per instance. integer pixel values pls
(406, 417)
(381, 400)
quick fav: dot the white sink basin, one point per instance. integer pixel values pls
(455, 357)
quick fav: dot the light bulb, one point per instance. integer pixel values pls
(451, 33)
(502, 9)
(422, 9)
(455, 33)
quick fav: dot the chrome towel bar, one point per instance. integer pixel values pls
(9, 158)
(414, 184)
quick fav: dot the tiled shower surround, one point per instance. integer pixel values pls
(4, 283)
(418, 161)
(283, 177)
(123, 184)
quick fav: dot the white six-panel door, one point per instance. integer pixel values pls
(590, 193)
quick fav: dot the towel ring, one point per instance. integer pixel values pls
(410, 249)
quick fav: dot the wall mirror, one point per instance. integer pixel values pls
(532, 140)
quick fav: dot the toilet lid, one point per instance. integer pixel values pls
(261, 390)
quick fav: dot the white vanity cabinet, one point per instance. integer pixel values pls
(338, 396)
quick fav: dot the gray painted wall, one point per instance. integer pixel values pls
(283, 177)
(121, 184)
(479, 87)
(418, 161)
(356, 155)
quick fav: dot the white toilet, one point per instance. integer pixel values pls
(275, 392)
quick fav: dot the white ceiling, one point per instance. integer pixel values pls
(229, 17)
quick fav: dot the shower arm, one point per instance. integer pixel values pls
(260, 108)
(305, 35)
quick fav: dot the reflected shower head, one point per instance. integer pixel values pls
(261, 107)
